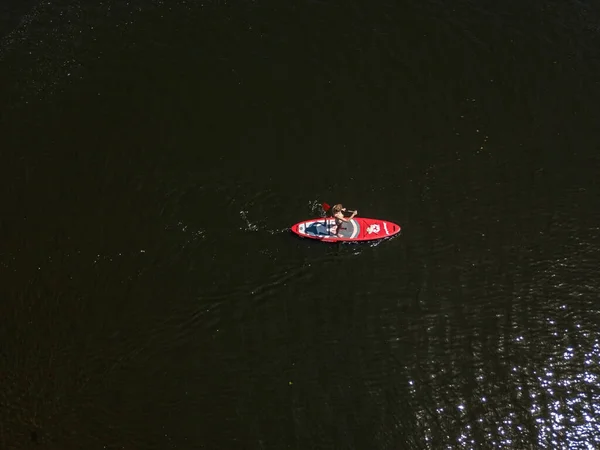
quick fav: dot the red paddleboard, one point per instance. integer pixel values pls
(356, 230)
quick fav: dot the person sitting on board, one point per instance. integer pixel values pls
(338, 214)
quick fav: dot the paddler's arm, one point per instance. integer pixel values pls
(350, 218)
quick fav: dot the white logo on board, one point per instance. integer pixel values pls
(373, 228)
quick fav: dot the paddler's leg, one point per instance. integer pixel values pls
(339, 229)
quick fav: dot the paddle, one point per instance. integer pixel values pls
(326, 208)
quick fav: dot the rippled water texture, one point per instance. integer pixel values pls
(154, 155)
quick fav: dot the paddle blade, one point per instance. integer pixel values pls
(326, 207)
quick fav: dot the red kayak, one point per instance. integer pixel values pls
(356, 230)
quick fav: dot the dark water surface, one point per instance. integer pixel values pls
(154, 154)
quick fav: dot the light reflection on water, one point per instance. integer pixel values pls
(571, 408)
(541, 388)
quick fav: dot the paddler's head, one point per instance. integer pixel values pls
(337, 208)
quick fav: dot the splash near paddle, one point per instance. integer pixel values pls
(356, 230)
